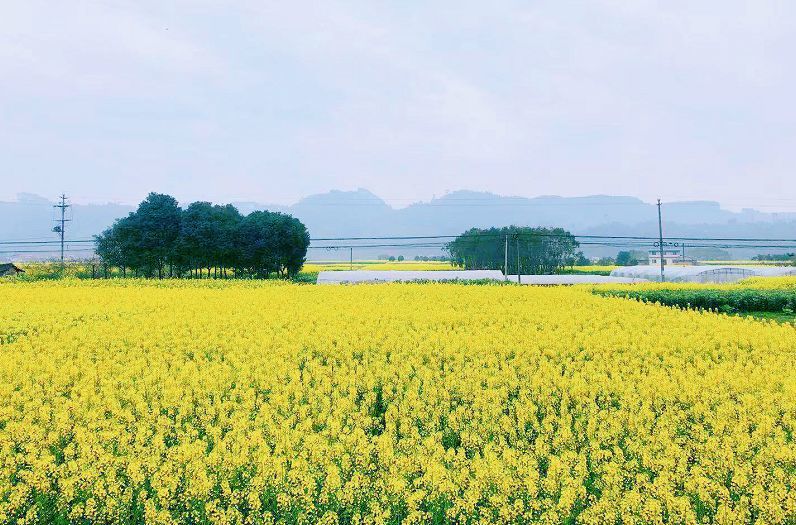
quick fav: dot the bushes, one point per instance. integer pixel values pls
(724, 300)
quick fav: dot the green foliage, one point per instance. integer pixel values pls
(708, 254)
(723, 300)
(530, 250)
(272, 242)
(581, 271)
(305, 277)
(160, 239)
(579, 260)
(630, 258)
(780, 257)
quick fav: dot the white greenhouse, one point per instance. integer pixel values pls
(552, 280)
(378, 276)
(701, 273)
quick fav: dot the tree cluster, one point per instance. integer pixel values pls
(530, 250)
(161, 239)
(778, 257)
(630, 258)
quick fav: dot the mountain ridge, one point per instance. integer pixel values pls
(361, 213)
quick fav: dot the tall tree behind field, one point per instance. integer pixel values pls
(202, 237)
(536, 250)
(208, 236)
(272, 243)
(158, 218)
(145, 240)
(226, 221)
(119, 245)
(196, 243)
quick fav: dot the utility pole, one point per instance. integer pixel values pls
(660, 239)
(519, 276)
(506, 259)
(60, 229)
(351, 258)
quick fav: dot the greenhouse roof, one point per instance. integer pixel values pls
(374, 276)
(702, 273)
(573, 279)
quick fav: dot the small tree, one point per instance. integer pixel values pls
(625, 258)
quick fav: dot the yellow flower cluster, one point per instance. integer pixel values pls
(770, 283)
(254, 403)
(756, 283)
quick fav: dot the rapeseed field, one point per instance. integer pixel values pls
(259, 402)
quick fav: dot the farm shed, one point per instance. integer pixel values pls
(702, 274)
(10, 269)
(378, 276)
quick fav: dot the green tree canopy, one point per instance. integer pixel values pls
(203, 236)
(536, 250)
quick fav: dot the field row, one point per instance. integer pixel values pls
(251, 402)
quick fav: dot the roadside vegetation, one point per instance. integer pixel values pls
(765, 298)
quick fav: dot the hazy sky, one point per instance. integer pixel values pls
(271, 101)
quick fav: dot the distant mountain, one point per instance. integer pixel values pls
(32, 218)
(360, 213)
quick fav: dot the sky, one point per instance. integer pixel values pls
(272, 101)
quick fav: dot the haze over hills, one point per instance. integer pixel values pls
(360, 213)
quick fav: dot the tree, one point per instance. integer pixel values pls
(203, 236)
(782, 257)
(226, 220)
(400, 258)
(120, 245)
(157, 220)
(208, 237)
(536, 250)
(578, 260)
(272, 243)
(625, 258)
(196, 239)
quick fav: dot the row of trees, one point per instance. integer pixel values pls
(530, 250)
(777, 257)
(160, 239)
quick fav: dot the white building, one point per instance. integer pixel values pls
(669, 257)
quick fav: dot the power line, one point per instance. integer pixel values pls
(47, 242)
(489, 235)
(615, 244)
(67, 250)
(481, 235)
(424, 238)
